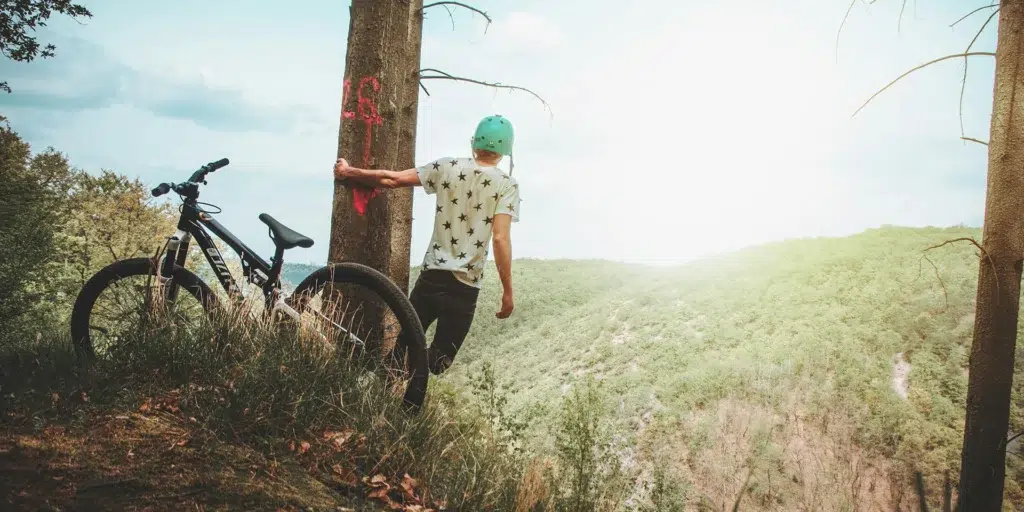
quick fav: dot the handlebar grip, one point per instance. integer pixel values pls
(161, 189)
(213, 166)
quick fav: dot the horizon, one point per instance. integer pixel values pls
(154, 91)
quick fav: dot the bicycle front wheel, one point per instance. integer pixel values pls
(126, 296)
(362, 311)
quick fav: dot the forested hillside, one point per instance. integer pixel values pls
(803, 375)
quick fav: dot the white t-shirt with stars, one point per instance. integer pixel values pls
(468, 197)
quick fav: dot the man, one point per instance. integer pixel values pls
(475, 202)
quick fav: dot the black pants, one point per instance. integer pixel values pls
(438, 295)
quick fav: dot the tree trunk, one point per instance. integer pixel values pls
(377, 130)
(999, 275)
(401, 199)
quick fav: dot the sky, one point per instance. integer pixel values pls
(678, 129)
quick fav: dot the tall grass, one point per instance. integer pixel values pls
(289, 394)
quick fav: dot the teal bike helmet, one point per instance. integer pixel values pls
(495, 133)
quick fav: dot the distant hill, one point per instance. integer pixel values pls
(821, 361)
(293, 273)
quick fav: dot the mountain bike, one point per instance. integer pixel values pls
(323, 298)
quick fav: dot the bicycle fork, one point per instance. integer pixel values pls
(175, 255)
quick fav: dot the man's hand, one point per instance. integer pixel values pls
(342, 170)
(506, 305)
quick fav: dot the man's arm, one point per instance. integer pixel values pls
(377, 178)
(502, 243)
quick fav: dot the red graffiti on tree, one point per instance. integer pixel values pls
(367, 113)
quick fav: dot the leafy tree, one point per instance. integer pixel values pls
(31, 206)
(110, 217)
(19, 18)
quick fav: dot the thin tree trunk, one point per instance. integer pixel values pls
(999, 275)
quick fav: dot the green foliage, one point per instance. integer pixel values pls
(21, 18)
(589, 476)
(31, 206)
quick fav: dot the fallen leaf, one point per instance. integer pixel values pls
(303, 447)
(183, 442)
(85, 397)
(144, 407)
(378, 479)
(409, 486)
(378, 493)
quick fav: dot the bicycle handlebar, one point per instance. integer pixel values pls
(197, 177)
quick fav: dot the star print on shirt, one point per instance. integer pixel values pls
(463, 218)
(455, 200)
(478, 206)
(495, 196)
(455, 240)
(469, 195)
(487, 183)
(471, 231)
(462, 255)
(430, 183)
(437, 247)
(477, 171)
(438, 208)
(446, 185)
(511, 207)
(479, 244)
(442, 261)
(454, 163)
(488, 220)
(447, 225)
(469, 266)
(437, 166)
(462, 176)
(476, 279)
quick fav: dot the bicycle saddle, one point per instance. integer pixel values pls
(283, 236)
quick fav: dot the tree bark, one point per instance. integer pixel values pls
(999, 274)
(377, 130)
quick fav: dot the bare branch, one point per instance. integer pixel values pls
(976, 244)
(843, 23)
(441, 75)
(963, 82)
(972, 139)
(899, 21)
(945, 294)
(972, 13)
(464, 6)
(922, 66)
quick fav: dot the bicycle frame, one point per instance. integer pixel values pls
(194, 223)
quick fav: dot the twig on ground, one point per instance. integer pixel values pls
(922, 66)
(972, 139)
(441, 75)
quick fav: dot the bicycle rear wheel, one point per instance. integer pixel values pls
(362, 311)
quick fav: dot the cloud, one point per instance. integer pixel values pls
(83, 76)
